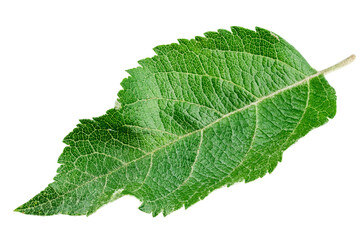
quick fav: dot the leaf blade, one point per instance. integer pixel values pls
(186, 98)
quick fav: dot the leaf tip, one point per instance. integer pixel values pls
(18, 209)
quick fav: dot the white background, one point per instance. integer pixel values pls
(61, 61)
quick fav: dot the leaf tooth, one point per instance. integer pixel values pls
(183, 41)
(224, 32)
(133, 72)
(268, 35)
(200, 39)
(164, 49)
(240, 31)
(212, 34)
(149, 62)
(85, 121)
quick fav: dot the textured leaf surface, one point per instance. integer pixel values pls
(201, 114)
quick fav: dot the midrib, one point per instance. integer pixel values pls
(303, 81)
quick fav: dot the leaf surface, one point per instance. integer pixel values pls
(199, 115)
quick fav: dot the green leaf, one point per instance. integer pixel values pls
(201, 114)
